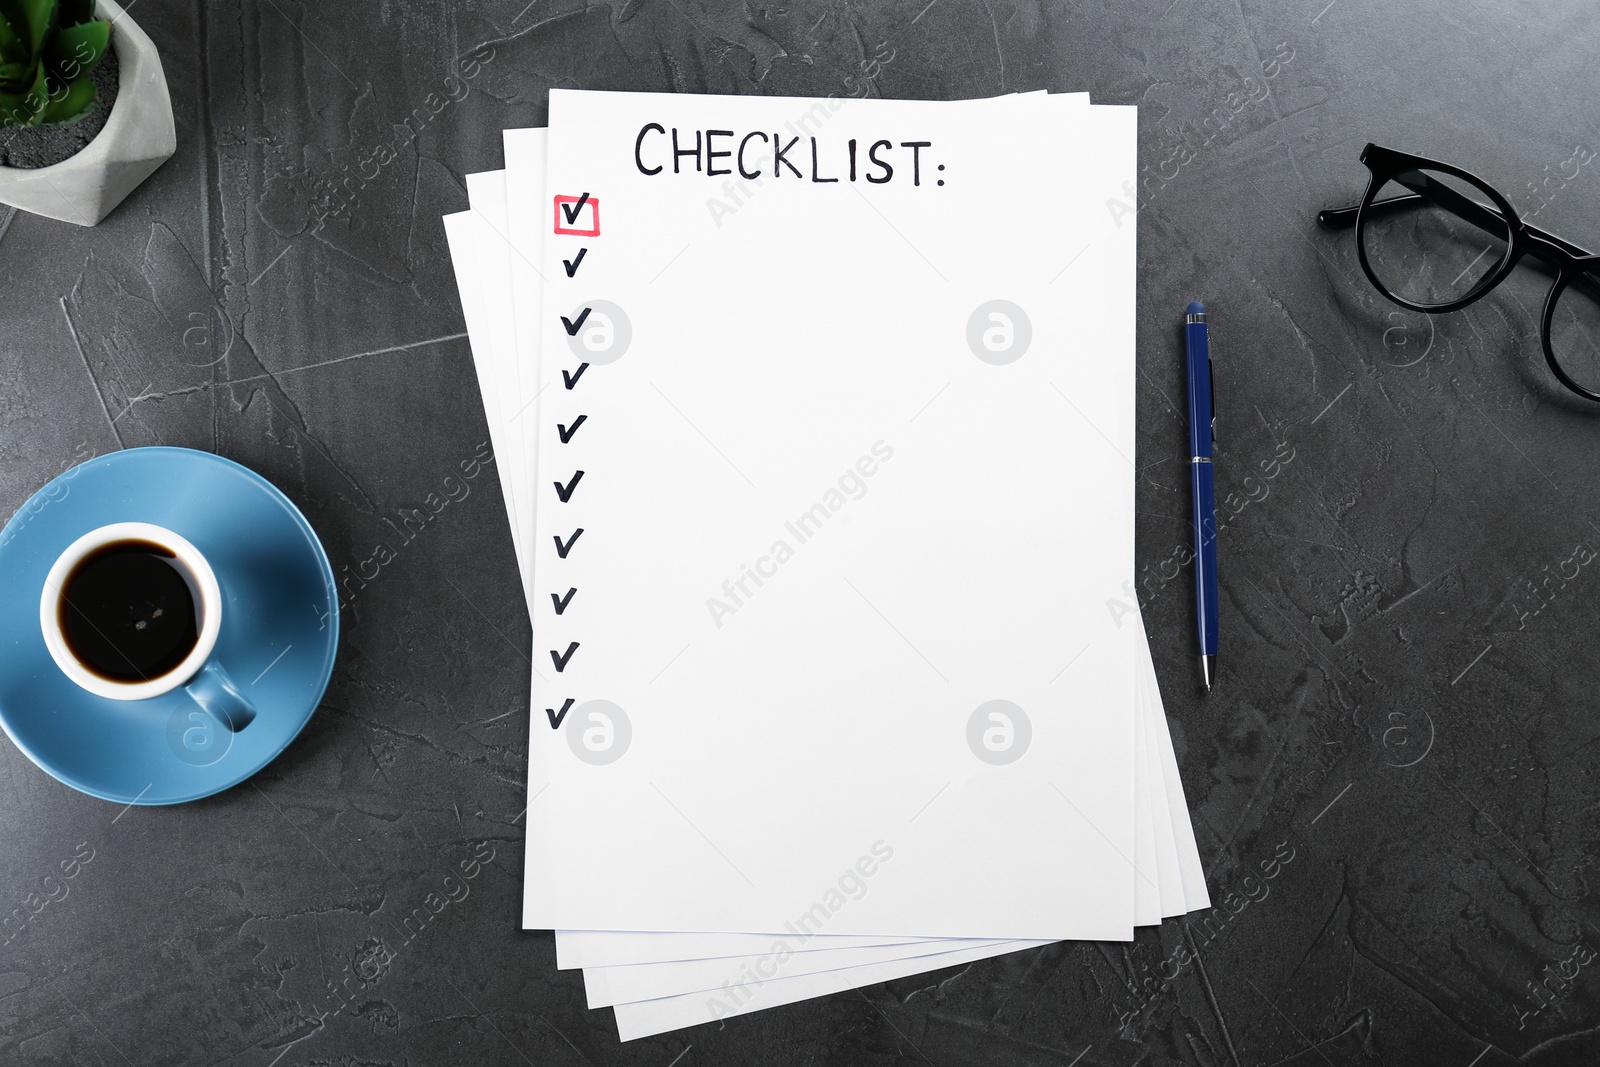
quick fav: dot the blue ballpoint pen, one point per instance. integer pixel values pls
(1202, 424)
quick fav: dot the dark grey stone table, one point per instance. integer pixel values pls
(1393, 787)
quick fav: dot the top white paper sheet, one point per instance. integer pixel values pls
(936, 527)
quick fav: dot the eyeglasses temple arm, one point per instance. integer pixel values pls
(1485, 218)
(1342, 218)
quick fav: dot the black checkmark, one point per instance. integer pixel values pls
(565, 491)
(566, 432)
(563, 549)
(572, 378)
(561, 660)
(572, 264)
(556, 717)
(574, 326)
(561, 602)
(571, 210)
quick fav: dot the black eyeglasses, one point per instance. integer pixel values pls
(1434, 238)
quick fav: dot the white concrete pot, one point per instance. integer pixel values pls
(138, 137)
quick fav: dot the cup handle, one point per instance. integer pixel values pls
(216, 694)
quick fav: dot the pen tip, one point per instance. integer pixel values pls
(1208, 670)
(1197, 308)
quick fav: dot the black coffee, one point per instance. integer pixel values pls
(127, 611)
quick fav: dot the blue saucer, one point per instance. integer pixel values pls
(280, 627)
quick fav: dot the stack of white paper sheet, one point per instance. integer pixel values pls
(815, 421)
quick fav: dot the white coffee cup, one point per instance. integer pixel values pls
(204, 679)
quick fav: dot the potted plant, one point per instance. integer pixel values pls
(84, 111)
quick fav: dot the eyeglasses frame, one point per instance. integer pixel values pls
(1570, 261)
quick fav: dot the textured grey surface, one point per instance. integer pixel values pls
(1405, 706)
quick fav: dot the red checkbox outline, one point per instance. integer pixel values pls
(593, 202)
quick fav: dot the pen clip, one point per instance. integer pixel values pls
(1211, 388)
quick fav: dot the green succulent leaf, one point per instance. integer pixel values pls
(13, 46)
(12, 75)
(31, 19)
(24, 105)
(79, 97)
(76, 50)
(14, 109)
(38, 96)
